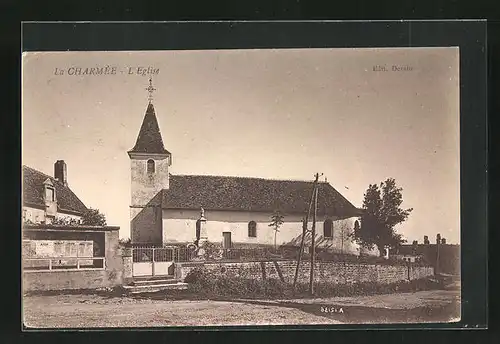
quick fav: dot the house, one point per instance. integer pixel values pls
(410, 258)
(233, 211)
(58, 251)
(47, 198)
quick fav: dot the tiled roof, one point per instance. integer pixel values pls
(33, 192)
(149, 139)
(253, 194)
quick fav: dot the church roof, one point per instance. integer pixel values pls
(253, 194)
(33, 192)
(149, 139)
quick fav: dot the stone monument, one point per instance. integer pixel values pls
(202, 222)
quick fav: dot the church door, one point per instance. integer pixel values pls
(227, 239)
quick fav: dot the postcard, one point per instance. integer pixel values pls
(241, 187)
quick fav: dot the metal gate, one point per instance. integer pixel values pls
(154, 261)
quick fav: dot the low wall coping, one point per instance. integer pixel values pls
(199, 263)
(75, 228)
(55, 271)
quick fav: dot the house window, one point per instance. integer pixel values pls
(252, 229)
(328, 228)
(49, 194)
(151, 166)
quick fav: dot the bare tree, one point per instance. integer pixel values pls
(276, 222)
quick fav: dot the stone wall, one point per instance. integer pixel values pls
(333, 272)
(110, 276)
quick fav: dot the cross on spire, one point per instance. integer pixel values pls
(150, 90)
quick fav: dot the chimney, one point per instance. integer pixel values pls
(60, 172)
(438, 239)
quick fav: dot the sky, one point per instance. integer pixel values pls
(272, 113)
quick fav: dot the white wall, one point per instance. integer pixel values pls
(180, 226)
(38, 215)
(33, 214)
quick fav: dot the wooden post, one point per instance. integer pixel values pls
(304, 232)
(313, 234)
(342, 232)
(153, 263)
(302, 242)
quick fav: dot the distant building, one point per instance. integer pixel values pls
(446, 257)
(46, 198)
(407, 257)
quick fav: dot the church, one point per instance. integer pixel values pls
(172, 209)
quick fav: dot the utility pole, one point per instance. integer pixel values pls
(342, 232)
(438, 244)
(313, 234)
(304, 232)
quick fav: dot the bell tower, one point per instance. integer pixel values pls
(149, 166)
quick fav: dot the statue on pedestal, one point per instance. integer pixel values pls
(201, 231)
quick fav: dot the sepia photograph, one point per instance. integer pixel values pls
(240, 187)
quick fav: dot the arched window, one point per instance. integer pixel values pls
(151, 166)
(328, 228)
(356, 225)
(252, 229)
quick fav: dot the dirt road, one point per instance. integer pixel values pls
(77, 311)
(71, 311)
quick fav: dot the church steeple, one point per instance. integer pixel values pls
(149, 172)
(149, 139)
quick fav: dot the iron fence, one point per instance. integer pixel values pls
(186, 254)
(183, 253)
(153, 254)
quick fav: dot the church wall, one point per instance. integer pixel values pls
(145, 186)
(179, 226)
(145, 211)
(145, 225)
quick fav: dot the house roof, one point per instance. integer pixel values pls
(149, 139)
(33, 192)
(253, 194)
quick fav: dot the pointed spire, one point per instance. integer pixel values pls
(149, 139)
